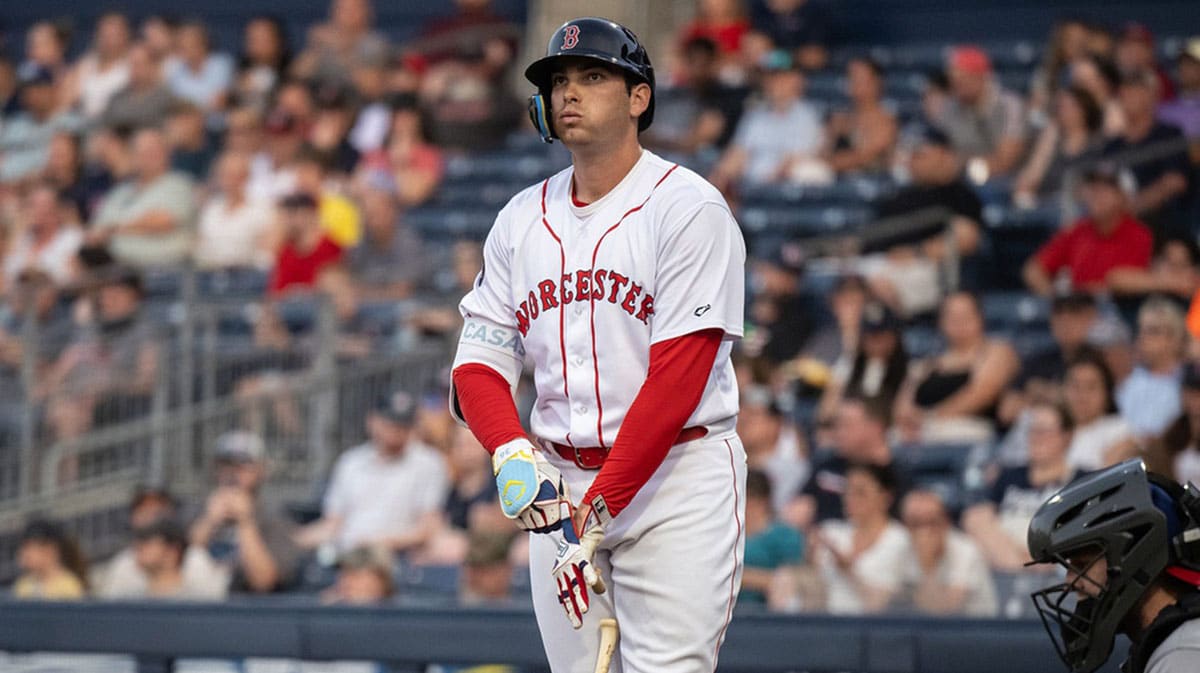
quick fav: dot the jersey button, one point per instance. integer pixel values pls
(580, 409)
(578, 362)
(579, 309)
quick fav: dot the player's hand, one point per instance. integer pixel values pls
(532, 491)
(575, 569)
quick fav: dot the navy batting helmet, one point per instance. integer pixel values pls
(588, 37)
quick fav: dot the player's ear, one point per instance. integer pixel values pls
(639, 99)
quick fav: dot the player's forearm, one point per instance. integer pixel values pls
(487, 405)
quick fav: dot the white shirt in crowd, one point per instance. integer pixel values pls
(881, 566)
(1090, 442)
(54, 258)
(377, 498)
(788, 468)
(122, 579)
(962, 567)
(232, 236)
(97, 87)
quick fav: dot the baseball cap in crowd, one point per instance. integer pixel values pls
(1139, 77)
(1107, 172)
(298, 201)
(778, 60)
(398, 407)
(1072, 302)
(1191, 376)
(1137, 32)
(789, 257)
(877, 317)
(116, 274)
(488, 549)
(377, 560)
(240, 446)
(970, 59)
(33, 74)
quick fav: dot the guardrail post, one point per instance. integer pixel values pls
(156, 469)
(29, 362)
(150, 664)
(184, 436)
(324, 391)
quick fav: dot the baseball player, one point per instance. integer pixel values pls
(1130, 543)
(620, 281)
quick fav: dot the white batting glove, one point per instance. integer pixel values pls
(532, 492)
(575, 570)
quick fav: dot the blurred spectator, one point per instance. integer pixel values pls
(1184, 111)
(234, 230)
(364, 578)
(158, 33)
(263, 63)
(103, 70)
(1156, 153)
(863, 557)
(25, 137)
(36, 292)
(776, 138)
(1177, 454)
(1100, 436)
(441, 317)
(273, 170)
(700, 111)
(800, 26)
(862, 138)
(876, 369)
(122, 577)
(192, 152)
(145, 101)
(237, 529)
(372, 120)
(947, 574)
(329, 133)
(1099, 77)
(52, 565)
(954, 396)
(1173, 272)
(1072, 139)
(772, 548)
(773, 445)
(1072, 317)
(389, 262)
(408, 166)
(985, 122)
(847, 300)
(160, 549)
(859, 436)
(147, 220)
(1068, 45)
(243, 132)
(339, 216)
(46, 48)
(487, 572)
(1135, 52)
(45, 243)
(904, 259)
(724, 22)
(471, 482)
(307, 249)
(335, 48)
(65, 171)
(387, 492)
(1090, 252)
(1149, 397)
(198, 75)
(472, 23)
(9, 91)
(783, 316)
(999, 523)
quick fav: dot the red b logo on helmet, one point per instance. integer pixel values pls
(570, 37)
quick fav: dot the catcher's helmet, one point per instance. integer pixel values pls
(588, 37)
(1140, 524)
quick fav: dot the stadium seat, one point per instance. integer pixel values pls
(1014, 311)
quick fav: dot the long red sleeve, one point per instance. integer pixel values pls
(678, 373)
(487, 405)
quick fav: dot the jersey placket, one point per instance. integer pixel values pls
(578, 334)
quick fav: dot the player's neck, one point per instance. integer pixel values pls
(596, 173)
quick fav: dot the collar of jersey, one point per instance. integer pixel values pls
(600, 203)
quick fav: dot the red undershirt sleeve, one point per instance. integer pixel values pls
(487, 405)
(678, 373)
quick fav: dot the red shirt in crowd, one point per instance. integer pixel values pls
(1091, 255)
(728, 36)
(296, 269)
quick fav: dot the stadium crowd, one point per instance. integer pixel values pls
(899, 441)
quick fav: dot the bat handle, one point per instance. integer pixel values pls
(609, 633)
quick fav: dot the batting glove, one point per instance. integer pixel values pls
(531, 490)
(575, 570)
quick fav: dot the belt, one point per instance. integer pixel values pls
(592, 457)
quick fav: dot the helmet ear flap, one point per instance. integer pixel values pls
(539, 114)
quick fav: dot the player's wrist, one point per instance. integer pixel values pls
(519, 448)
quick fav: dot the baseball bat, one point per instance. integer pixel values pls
(608, 644)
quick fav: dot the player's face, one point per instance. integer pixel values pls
(591, 103)
(1088, 572)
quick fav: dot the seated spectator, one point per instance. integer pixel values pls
(723, 22)
(145, 100)
(273, 170)
(1157, 155)
(104, 70)
(859, 436)
(471, 482)
(52, 565)
(64, 170)
(336, 47)
(773, 445)
(389, 262)
(783, 316)
(1071, 140)
(772, 548)
(1177, 453)
(1174, 271)
(839, 339)
(985, 122)
(799, 26)
(329, 134)
(699, 111)
(1095, 247)
(1068, 45)
(192, 152)
(338, 215)
(488, 571)
(862, 138)
(778, 139)
(955, 395)
(238, 529)
(863, 557)
(54, 328)
(1072, 317)
(198, 75)
(9, 93)
(387, 492)
(147, 220)
(364, 578)
(1099, 76)
(123, 578)
(234, 230)
(307, 249)
(1135, 51)
(1184, 111)
(998, 523)
(409, 167)
(46, 244)
(25, 137)
(263, 64)
(46, 47)
(1149, 397)
(877, 369)
(160, 548)
(906, 251)
(947, 574)
(1101, 436)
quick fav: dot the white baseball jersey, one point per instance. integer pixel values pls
(589, 290)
